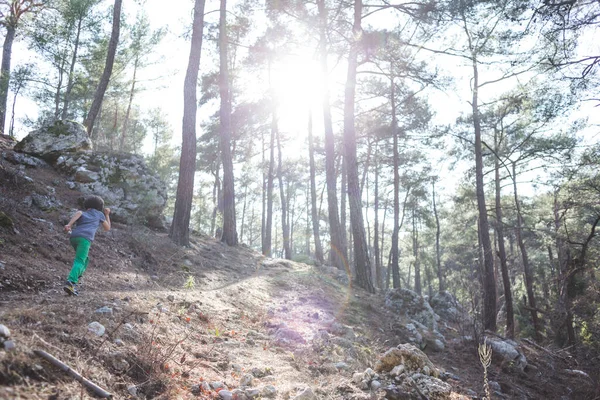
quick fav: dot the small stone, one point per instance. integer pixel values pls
(342, 366)
(119, 342)
(225, 394)
(495, 386)
(397, 370)
(252, 393)
(357, 377)
(4, 331)
(9, 345)
(195, 389)
(247, 380)
(269, 391)
(239, 394)
(97, 328)
(306, 394)
(171, 298)
(375, 385)
(217, 385)
(104, 310)
(132, 390)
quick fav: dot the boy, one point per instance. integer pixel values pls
(82, 237)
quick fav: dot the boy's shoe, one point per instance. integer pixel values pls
(71, 289)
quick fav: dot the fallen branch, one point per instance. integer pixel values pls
(74, 374)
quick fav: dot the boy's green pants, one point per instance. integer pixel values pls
(82, 248)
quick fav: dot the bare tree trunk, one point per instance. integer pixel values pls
(128, 112)
(396, 228)
(243, 213)
(337, 249)
(267, 249)
(5, 72)
(313, 193)
(67, 97)
(361, 255)
(378, 269)
(110, 59)
(285, 227)
(416, 250)
(526, 266)
(438, 262)
(510, 317)
(489, 282)
(229, 226)
(180, 228)
(343, 215)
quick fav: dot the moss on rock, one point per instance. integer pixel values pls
(6, 221)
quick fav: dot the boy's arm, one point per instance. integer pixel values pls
(106, 223)
(74, 218)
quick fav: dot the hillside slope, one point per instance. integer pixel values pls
(203, 321)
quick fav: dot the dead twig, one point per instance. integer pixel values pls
(74, 374)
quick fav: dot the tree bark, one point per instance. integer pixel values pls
(180, 228)
(229, 226)
(336, 246)
(285, 227)
(440, 273)
(396, 160)
(110, 60)
(361, 255)
(313, 193)
(510, 317)
(489, 282)
(378, 269)
(416, 250)
(129, 104)
(267, 249)
(5, 72)
(67, 97)
(524, 256)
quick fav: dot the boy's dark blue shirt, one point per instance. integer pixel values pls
(88, 224)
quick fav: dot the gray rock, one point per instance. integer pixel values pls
(4, 331)
(287, 334)
(306, 394)
(239, 394)
(447, 306)
(269, 391)
(9, 345)
(45, 203)
(104, 310)
(119, 342)
(342, 366)
(247, 380)
(508, 352)
(55, 139)
(132, 390)
(195, 389)
(217, 385)
(375, 385)
(22, 159)
(225, 394)
(433, 388)
(495, 386)
(411, 305)
(97, 328)
(252, 393)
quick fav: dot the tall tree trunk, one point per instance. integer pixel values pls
(229, 227)
(361, 255)
(267, 249)
(336, 245)
(416, 250)
(526, 266)
(396, 157)
(438, 262)
(243, 213)
(110, 60)
(180, 228)
(378, 269)
(67, 96)
(347, 254)
(489, 281)
(510, 317)
(263, 205)
(313, 192)
(217, 199)
(5, 72)
(285, 227)
(128, 112)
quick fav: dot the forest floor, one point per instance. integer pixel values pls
(179, 318)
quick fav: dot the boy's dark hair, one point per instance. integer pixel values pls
(95, 202)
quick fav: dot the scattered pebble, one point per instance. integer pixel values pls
(97, 328)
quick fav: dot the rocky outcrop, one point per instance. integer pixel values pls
(508, 351)
(55, 139)
(447, 307)
(128, 187)
(410, 304)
